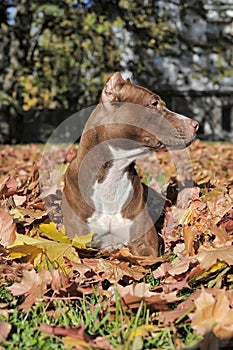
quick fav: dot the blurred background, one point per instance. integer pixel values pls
(56, 55)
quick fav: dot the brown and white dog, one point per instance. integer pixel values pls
(102, 191)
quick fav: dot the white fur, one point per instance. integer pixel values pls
(110, 197)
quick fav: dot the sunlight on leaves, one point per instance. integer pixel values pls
(82, 241)
(50, 231)
(210, 257)
(43, 252)
(213, 312)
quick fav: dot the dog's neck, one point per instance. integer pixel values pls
(113, 190)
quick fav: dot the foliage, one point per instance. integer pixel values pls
(56, 292)
(58, 54)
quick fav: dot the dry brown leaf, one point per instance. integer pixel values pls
(113, 270)
(174, 270)
(219, 205)
(213, 313)
(5, 328)
(124, 254)
(19, 200)
(9, 187)
(76, 337)
(168, 317)
(186, 195)
(116, 270)
(132, 296)
(220, 233)
(32, 286)
(209, 257)
(7, 228)
(189, 233)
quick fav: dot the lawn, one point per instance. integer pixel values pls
(58, 293)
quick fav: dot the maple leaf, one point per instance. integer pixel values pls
(83, 240)
(7, 228)
(209, 257)
(42, 252)
(50, 231)
(33, 285)
(213, 313)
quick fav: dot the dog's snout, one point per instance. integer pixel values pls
(194, 124)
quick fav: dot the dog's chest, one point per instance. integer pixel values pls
(109, 198)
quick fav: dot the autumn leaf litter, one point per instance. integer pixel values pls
(191, 281)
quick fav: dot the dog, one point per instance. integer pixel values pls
(102, 191)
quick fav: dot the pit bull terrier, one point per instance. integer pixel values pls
(102, 191)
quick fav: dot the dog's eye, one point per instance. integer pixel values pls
(154, 103)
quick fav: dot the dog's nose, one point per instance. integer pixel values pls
(194, 124)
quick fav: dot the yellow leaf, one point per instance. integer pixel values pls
(50, 231)
(42, 252)
(17, 214)
(24, 251)
(82, 241)
(219, 266)
(79, 344)
(142, 331)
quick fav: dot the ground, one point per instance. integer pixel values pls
(58, 293)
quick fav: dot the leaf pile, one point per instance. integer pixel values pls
(190, 285)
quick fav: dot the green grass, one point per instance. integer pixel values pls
(121, 327)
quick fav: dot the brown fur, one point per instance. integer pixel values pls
(130, 121)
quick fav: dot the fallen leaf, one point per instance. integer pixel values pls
(9, 188)
(76, 337)
(221, 234)
(133, 294)
(33, 286)
(50, 231)
(114, 271)
(189, 233)
(209, 257)
(213, 313)
(7, 228)
(183, 216)
(19, 200)
(42, 252)
(124, 254)
(5, 328)
(83, 240)
(27, 216)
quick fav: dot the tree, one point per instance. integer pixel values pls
(58, 54)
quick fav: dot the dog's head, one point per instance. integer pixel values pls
(137, 107)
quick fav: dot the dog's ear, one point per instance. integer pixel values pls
(112, 88)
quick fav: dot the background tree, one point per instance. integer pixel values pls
(57, 54)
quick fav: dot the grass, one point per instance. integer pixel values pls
(125, 329)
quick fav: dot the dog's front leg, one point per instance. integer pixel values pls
(145, 245)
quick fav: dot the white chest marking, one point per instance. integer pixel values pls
(110, 197)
